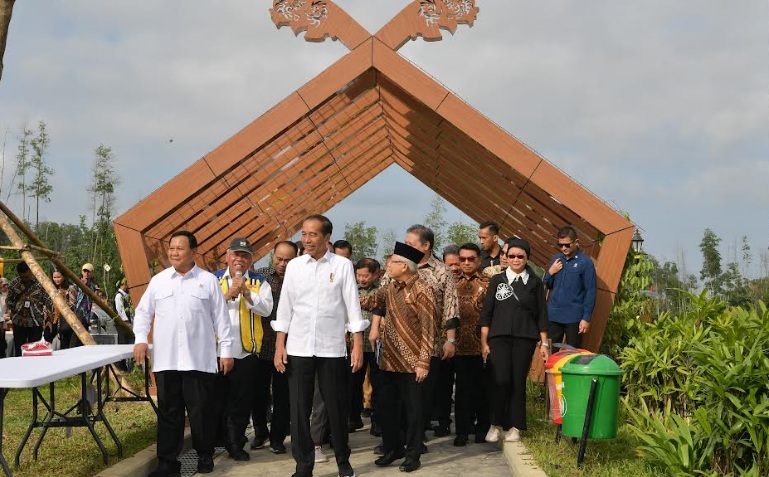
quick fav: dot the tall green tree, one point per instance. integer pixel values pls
(23, 159)
(736, 289)
(387, 243)
(460, 233)
(362, 239)
(104, 181)
(436, 220)
(711, 270)
(40, 188)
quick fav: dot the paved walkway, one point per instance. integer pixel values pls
(443, 460)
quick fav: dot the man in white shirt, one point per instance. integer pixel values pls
(318, 304)
(249, 297)
(190, 317)
(122, 302)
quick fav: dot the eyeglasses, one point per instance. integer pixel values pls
(565, 245)
(519, 257)
(466, 259)
(396, 261)
(85, 270)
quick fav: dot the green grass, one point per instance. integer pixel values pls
(77, 455)
(603, 457)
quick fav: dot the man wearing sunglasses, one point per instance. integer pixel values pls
(570, 279)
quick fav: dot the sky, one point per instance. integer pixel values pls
(657, 107)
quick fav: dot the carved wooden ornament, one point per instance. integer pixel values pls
(321, 19)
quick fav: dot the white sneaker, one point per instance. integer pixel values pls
(513, 435)
(320, 457)
(493, 434)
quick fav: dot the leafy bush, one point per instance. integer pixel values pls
(697, 392)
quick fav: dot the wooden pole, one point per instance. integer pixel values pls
(48, 285)
(62, 267)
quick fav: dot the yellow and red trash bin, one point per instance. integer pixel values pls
(555, 380)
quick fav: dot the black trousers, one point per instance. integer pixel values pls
(266, 374)
(333, 376)
(472, 405)
(444, 392)
(510, 363)
(177, 391)
(356, 392)
(234, 395)
(397, 389)
(557, 331)
(375, 378)
(25, 334)
(428, 391)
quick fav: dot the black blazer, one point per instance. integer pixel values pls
(524, 317)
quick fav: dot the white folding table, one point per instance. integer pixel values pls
(32, 372)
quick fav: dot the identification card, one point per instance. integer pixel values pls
(26, 304)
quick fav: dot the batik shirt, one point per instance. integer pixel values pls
(268, 340)
(28, 303)
(470, 292)
(408, 338)
(439, 276)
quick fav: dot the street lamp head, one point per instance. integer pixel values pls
(637, 241)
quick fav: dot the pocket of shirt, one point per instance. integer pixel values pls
(164, 302)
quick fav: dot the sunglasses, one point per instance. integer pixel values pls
(466, 259)
(85, 270)
(565, 245)
(519, 257)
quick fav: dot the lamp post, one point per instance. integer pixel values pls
(638, 243)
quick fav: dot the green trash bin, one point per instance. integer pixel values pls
(578, 376)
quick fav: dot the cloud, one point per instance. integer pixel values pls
(657, 107)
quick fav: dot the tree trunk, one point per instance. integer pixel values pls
(6, 8)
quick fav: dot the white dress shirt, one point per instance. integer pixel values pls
(318, 303)
(511, 275)
(190, 317)
(261, 304)
(120, 305)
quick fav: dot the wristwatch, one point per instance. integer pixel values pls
(545, 345)
(451, 340)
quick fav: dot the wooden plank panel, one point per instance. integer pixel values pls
(168, 197)
(489, 135)
(337, 76)
(408, 77)
(134, 258)
(255, 135)
(578, 199)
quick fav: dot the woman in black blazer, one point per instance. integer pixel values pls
(513, 321)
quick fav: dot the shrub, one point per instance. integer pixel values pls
(697, 392)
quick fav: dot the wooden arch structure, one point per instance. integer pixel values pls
(368, 111)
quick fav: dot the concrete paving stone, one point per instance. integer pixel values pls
(443, 460)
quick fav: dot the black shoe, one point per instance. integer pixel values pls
(480, 438)
(165, 472)
(277, 448)
(423, 450)
(379, 450)
(410, 465)
(205, 465)
(345, 470)
(389, 458)
(258, 442)
(238, 454)
(441, 431)
(355, 425)
(375, 430)
(460, 440)
(367, 412)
